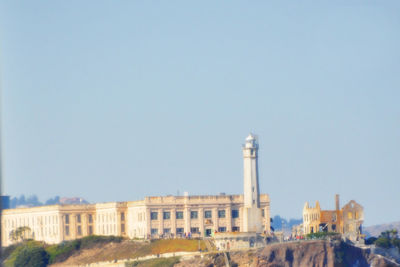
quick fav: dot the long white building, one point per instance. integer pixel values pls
(153, 217)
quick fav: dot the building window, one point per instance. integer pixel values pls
(79, 230)
(90, 218)
(179, 230)
(333, 227)
(222, 229)
(179, 214)
(66, 218)
(78, 218)
(167, 230)
(221, 214)
(194, 215)
(207, 214)
(67, 230)
(263, 212)
(122, 228)
(334, 217)
(194, 230)
(154, 215)
(235, 229)
(166, 215)
(122, 216)
(350, 215)
(90, 230)
(154, 231)
(235, 213)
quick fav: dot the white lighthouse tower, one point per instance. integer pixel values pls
(252, 218)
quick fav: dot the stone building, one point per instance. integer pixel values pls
(346, 221)
(152, 217)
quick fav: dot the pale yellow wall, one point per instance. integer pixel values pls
(311, 218)
(136, 220)
(43, 224)
(108, 218)
(49, 223)
(199, 204)
(75, 228)
(353, 217)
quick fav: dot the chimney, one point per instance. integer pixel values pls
(337, 202)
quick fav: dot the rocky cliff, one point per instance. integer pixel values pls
(297, 254)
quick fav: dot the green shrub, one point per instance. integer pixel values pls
(371, 240)
(65, 249)
(54, 253)
(9, 262)
(14, 251)
(396, 242)
(62, 251)
(32, 256)
(321, 235)
(6, 251)
(388, 239)
(383, 242)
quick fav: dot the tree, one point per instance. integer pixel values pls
(277, 222)
(13, 202)
(383, 242)
(13, 235)
(21, 200)
(32, 256)
(20, 234)
(371, 240)
(388, 239)
(53, 201)
(33, 201)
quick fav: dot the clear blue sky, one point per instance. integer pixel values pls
(117, 100)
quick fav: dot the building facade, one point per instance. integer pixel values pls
(153, 217)
(346, 221)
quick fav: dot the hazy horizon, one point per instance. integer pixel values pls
(115, 101)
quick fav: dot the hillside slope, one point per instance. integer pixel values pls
(375, 230)
(130, 249)
(316, 253)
